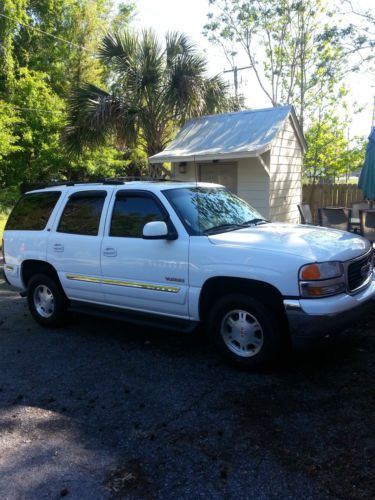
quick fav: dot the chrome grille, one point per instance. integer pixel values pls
(359, 272)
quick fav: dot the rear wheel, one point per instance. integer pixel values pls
(244, 330)
(47, 301)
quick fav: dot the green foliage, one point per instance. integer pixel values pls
(8, 136)
(330, 155)
(14, 12)
(38, 152)
(37, 72)
(78, 22)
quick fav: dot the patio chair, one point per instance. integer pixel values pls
(305, 213)
(367, 224)
(335, 218)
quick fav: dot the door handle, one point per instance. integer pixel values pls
(58, 247)
(110, 252)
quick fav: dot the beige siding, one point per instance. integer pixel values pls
(286, 176)
(253, 184)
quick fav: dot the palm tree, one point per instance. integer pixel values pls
(152, 91)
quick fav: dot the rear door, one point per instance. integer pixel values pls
(140, 274)
(75, 241)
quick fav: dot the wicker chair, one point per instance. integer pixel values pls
(367, 224)
(305, 213)
(335, 218)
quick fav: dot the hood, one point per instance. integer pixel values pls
(316, 244)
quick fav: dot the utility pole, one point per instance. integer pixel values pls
(373, 115)
(235, 71)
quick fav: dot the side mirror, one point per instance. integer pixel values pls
(157, 230)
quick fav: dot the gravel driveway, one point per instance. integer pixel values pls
(101, 409)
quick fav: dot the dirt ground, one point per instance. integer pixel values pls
(101, 409)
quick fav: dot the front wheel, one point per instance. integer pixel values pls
(244, 331)
(47, 301)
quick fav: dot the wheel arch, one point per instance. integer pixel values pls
(31, 267)
(217, 287)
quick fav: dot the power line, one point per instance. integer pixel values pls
(49, 34)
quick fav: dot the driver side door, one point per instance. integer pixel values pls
(148, 275)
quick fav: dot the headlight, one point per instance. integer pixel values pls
(322, 280)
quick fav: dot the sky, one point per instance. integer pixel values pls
(189, 16)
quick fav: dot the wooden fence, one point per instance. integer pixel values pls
(330, 195)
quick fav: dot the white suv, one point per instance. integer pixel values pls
(177, 254)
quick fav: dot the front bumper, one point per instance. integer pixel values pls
(311, 319)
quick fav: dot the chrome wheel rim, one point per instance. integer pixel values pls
(44, 301)
(242, 333)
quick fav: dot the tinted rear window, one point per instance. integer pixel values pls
(33, 211)
(82, 213)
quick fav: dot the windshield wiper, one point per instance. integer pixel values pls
(255, 222)
(222, 227)
(232, 227)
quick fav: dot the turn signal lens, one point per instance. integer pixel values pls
(311, 290)
(311, 272)
(315, 291)
(321, 271)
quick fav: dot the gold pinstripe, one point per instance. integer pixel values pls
(130, 284)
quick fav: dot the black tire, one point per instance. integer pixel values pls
(252, 338)
(50, 312)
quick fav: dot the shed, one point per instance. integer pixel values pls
(257, 154)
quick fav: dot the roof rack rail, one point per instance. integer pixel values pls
(108, 180)
(113, 182)
(145, 178)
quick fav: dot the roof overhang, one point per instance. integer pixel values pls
(175, 158)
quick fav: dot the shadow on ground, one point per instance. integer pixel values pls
(103, 409)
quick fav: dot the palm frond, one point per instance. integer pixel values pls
(151, 65)
(94, 115)
(177, 44)
(119, 50)
(217, 98)
(186, 87)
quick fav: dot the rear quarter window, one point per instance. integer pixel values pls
(32, 211)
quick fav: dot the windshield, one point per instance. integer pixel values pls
(205, 210)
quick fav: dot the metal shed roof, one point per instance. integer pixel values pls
(230, 135)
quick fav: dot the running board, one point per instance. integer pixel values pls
(135, 317)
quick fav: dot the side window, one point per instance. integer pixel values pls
(82, 213)
(33, 211)
(131, 213)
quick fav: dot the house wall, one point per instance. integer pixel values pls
(286, 175)
(252, 185)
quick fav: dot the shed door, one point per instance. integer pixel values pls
(220, 173)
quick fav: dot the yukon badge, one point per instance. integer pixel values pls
(175, 280)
